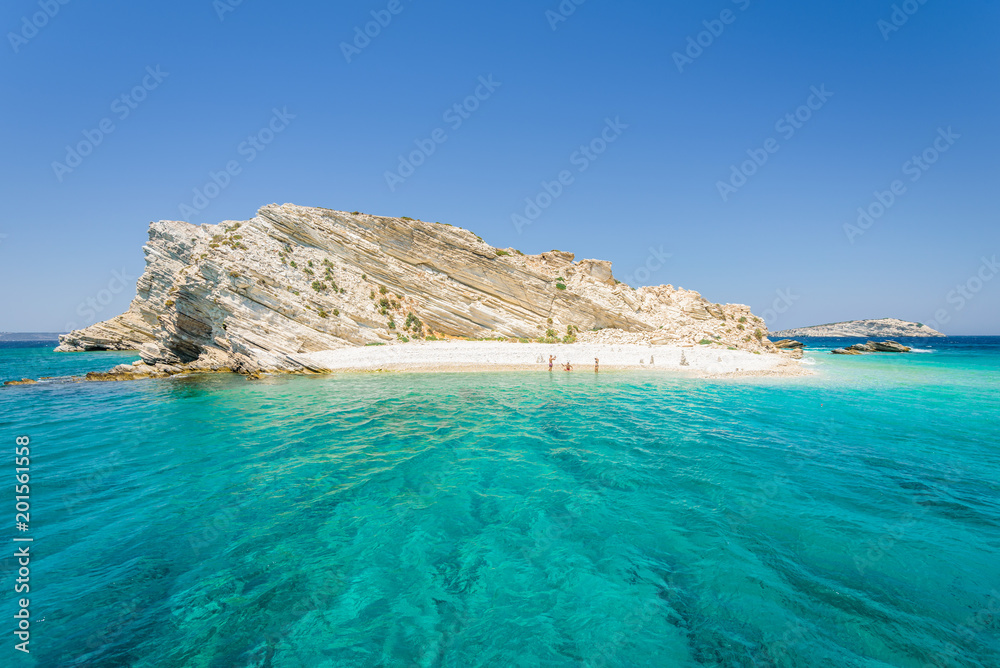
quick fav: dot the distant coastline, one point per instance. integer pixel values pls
(876, 328)
(23, 337)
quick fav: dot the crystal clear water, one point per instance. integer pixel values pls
(513, 519)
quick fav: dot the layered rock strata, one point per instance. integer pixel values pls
(259, 295)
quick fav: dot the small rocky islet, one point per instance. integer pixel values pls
(872, 347)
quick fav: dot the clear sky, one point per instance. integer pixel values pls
(643, 123)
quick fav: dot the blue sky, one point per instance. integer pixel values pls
(650, 202)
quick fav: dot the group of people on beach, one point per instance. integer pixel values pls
(569, 367)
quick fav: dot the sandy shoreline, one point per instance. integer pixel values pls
(472, 356)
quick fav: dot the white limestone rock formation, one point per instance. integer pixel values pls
(258, 295)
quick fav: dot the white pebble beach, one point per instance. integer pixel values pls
(455, 356)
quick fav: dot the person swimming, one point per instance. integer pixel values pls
(568, 367)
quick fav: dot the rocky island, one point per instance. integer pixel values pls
(310, 290)
(878, 328)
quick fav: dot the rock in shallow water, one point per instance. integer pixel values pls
(872, 347)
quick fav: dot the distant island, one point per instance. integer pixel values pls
(878, 328)
(29, 336)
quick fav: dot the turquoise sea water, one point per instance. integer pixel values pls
(512, 519)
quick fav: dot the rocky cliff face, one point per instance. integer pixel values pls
(882, 327)
(259, 294)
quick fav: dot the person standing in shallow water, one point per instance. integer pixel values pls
(597, 363)
(552, 358)
(569, 367)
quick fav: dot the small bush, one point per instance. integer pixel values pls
(375, 343)
(382, 290)
(318, 287)
(501, 253)
(743, 318)
(293, 265)
(560, 286)
(550, 334)
(323, 314)
(168, 303)
(406, 218)
(336, 311)
(431, 337)
(758, 334)
(392, 324)
(364, 277)
(355, 213)
(404, 339)
(705, 342)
